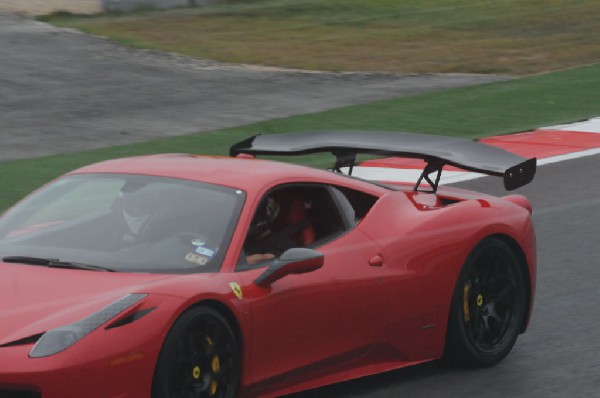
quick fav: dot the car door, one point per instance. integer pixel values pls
(324, 320)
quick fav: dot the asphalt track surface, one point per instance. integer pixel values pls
(559, 356)
(61, 91)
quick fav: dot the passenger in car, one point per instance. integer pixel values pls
(279, 224)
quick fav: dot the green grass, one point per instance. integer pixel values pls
(507, 37)
(471, 112)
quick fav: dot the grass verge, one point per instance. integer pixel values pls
(507, 37)
(471, 112)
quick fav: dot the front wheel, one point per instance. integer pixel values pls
(199, 359)
(488, 306)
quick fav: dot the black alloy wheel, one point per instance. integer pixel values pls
(488, 307)
(199, 359)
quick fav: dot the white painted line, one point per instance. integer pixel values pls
(588, 126)
(568, 156)
(408, 175)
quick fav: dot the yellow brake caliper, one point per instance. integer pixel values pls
(466, 302)
(216, 368)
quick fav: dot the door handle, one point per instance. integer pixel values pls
(376, 261)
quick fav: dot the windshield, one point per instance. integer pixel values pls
(125, 222)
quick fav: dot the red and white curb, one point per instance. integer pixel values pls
(548, 144)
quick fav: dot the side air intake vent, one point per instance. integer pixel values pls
(19, 394)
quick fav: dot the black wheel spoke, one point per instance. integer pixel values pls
(200, 390)
(479, 330)
(493, 291)
(503, 295)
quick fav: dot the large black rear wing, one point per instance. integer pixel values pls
(436, 151)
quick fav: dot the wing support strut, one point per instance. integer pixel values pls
(433, 166)
(344, 159)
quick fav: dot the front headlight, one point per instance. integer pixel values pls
(59, 339)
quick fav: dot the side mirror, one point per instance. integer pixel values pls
(292, 261)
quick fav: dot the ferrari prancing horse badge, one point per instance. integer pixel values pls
(237, 290)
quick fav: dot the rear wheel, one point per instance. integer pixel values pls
(488, 306)
(199, 359)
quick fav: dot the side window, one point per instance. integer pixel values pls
(295, 215)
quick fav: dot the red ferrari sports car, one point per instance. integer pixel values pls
(178, 275)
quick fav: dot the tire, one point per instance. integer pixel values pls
(488, 306)
(199, 358)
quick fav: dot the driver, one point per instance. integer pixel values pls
(143, 209)
(159, 223)
(262, 242)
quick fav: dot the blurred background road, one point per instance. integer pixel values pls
(65, 91)
(40, 7)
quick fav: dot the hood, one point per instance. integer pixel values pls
(34, 299)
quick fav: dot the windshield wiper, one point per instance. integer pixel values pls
(54, 263)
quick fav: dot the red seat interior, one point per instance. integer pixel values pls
(295, 212)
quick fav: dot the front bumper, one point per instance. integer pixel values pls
(69, 375)
(115, 362)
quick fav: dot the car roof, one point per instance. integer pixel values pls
(246, 174)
